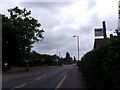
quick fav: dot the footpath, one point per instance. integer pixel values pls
(74, 80)
(14, 72)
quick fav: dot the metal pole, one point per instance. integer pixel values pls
(78, 46)
(59, 53)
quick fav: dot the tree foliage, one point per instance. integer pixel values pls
(68, 59)
(20, 31)
(74, 59)
(37, 59)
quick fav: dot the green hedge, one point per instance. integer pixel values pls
(101, 66)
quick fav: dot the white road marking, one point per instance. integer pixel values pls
(44, 76)
(32, 81)
(20, 86)
(38, 78)
(61, 82)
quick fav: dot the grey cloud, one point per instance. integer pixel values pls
(112, 23)
(51, 42)
(91, 4)
(49, 15)
(93, 22)
(58, 39)
(86, 29)
(47, 18)
(46, 5)
(50, 20)
(61, 37)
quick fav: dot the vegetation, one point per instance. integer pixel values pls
(20, 31)
(74, 60)
(37, 59)
(68, 59)
(101, 66)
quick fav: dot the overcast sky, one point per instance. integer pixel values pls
(61, 20)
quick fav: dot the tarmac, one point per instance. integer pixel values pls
(74, 79)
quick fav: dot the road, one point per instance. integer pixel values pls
(47, 77)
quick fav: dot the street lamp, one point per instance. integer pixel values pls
(78, 45)
(58, 52)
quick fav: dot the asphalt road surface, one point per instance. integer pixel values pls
(46, 77)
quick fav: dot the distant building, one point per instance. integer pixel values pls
(100, 32)
(98, 42)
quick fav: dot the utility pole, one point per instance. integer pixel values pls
(78, 45)
(59, 53)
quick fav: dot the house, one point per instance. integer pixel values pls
(98, 42)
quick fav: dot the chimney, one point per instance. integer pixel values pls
(104, 30)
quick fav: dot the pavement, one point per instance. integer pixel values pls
(74, 79)
(15, 70)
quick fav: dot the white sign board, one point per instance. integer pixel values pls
(99, 32)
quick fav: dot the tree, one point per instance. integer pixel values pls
(20, 31)
(118, 32)
(8, 41)
(67, 58)
(36, 59)
(71, 60)
(74, 59)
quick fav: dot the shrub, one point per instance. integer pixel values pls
(101, 66)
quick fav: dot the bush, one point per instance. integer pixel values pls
(101, 66)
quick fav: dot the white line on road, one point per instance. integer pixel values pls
(44, 76)
(32, 81)
(38, 78)
(61, 82)
(20, 86)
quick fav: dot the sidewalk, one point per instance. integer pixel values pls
(15, 70)
(74, 79)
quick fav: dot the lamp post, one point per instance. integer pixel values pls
(58, 52)
(78, 45)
